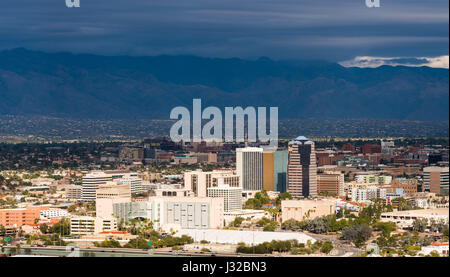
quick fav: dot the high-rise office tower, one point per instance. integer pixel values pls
(268, 170)
(280, 161)
(274, 169)
(302, 168)
(249, 165)
(91, 183)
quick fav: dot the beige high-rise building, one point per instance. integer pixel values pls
(302, 168)
(109, 194)
(199, 181)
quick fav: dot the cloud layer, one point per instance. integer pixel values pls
(281, 29)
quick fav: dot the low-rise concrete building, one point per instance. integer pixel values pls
(175, 212)
(405, 219)
(87, 225)
(306, 209)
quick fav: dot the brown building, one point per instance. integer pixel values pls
(327, 159)
(348, 147)
(409, 186)
(268, 170)
(331, 182)
(370, 149)
(302, 168)
(436, 180)
(403, 170)
(129, 153)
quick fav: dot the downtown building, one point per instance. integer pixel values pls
(275, 170)
(109, 194)
(331, 182)
(175, 212)
(232, 197)
(134, 182)
(91, 182)
(249, 166)
(88, 225)
(435, 180)
(199, 181)
(302, 168)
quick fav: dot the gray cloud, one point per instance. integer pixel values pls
(280, 29)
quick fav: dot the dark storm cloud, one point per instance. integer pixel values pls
(281, 29)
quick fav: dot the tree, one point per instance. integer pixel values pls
(282, 196)
(290, 224)
(2, 231)
(434, 253)
(358, 234)
(326, 247)
(270, 227)
(386, 227)
(108, 244)
(43, 228)
(318, 225)
(237, 222)
(420, 224)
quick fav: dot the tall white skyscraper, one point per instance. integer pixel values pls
(249, 165)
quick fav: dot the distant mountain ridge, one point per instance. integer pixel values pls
(122, 87)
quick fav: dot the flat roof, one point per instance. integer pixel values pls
(248, 237)
(439, 211)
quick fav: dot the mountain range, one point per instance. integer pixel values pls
(86, 86)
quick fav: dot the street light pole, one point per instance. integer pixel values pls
(253, 232)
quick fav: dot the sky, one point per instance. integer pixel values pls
(409, 32)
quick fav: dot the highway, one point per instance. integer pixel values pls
(70, 251)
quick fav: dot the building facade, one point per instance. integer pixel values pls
(73, 192)
(20, 217)
(306, 209)
(331, 182)
(91, 182)
(435, 179)
(109, 194)
(249, 166)
(232, 196)
(176, 212)
(302, 168)
(87, 225)
(199, 181)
